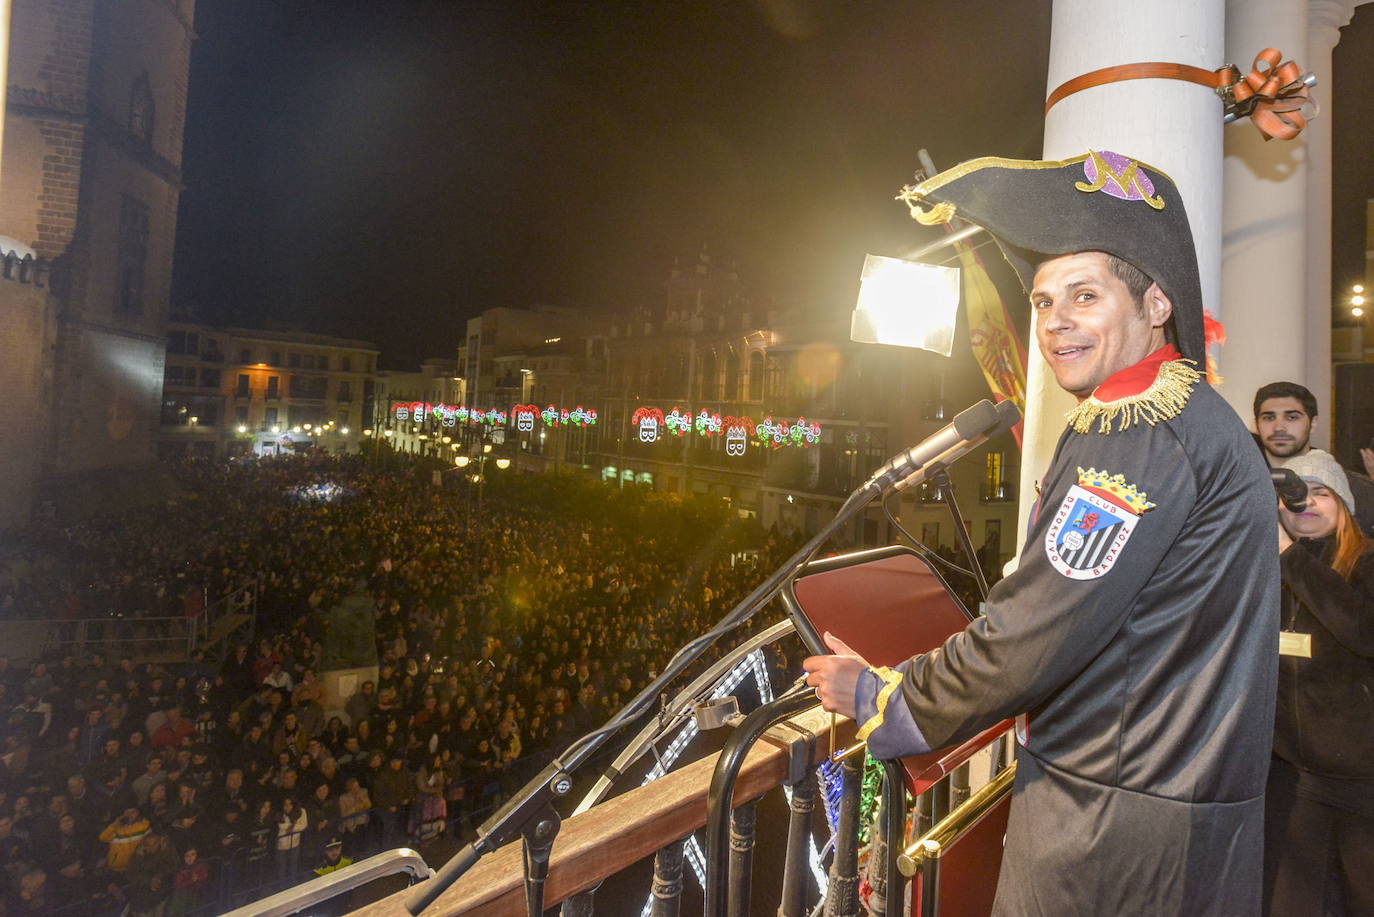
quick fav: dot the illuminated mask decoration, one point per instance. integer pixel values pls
(737, 431)
(649, 420)
(402, 412)
(524, 417)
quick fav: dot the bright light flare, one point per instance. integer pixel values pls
(1357, 300)
(503, 463)
(907, 304)
(1357, 312)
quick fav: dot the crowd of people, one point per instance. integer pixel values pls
(180, 788)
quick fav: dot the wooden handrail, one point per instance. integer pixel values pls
(616, 833)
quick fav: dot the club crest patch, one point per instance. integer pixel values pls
(1093, 523)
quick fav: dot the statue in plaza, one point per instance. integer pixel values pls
(350, 639)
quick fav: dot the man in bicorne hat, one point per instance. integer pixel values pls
(1136, 643)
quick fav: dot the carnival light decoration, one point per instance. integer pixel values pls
(708, 424)
(678, 423)
(492, 418)
(580, 417)
(524, 417)
(650, 421)
(737, 433)
(550, 416)
(779, 433)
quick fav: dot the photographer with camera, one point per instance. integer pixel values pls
(1319, 811)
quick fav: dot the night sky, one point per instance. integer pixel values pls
(385, 170)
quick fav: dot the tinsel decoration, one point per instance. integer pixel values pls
(870, 793)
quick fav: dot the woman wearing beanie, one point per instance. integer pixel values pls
(1319, 808)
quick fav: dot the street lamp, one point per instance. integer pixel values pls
(503, 463)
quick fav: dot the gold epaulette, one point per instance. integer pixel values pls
(1165, 398)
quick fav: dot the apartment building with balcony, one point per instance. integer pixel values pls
(234, 391)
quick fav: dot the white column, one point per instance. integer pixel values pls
(5, 10)
(1264, 220)
(1171, 125)
(1325, 20)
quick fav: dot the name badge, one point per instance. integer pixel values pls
(1295, 644)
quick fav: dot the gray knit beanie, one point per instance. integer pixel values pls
(1320, 467)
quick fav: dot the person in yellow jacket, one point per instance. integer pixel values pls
(123, 836)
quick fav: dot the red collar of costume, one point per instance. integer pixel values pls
(1135, 379)
(1155, 389)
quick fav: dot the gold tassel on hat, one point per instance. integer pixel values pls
(1165, 398)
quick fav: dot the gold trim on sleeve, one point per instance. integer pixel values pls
(891, 682)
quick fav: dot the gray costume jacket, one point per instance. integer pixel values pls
(1139, 636)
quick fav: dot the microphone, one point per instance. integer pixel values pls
(1292, 490)
(969, 429)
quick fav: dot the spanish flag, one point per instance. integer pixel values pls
(996, 347)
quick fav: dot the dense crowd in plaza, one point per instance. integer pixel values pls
(501, 636)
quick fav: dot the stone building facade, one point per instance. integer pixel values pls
(235, 391)
(95, 111)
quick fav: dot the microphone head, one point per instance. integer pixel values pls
(1008, 413)
(1285, 477)
(979, 420)
(1292, 490)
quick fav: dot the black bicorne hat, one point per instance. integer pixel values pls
(1100, 201)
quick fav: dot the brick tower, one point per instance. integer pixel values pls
(89, 182)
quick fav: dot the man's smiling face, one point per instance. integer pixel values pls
(1087, 323)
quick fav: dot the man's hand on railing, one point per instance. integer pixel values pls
(834, 677)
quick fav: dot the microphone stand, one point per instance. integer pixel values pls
(940, 475)
(530, 813)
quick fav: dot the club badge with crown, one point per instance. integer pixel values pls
(1093, 523)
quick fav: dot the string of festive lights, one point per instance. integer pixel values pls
(779, 433)
(651, 423)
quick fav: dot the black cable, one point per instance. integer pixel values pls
(921, 549)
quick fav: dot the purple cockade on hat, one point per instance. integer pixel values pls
(1137, 187)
